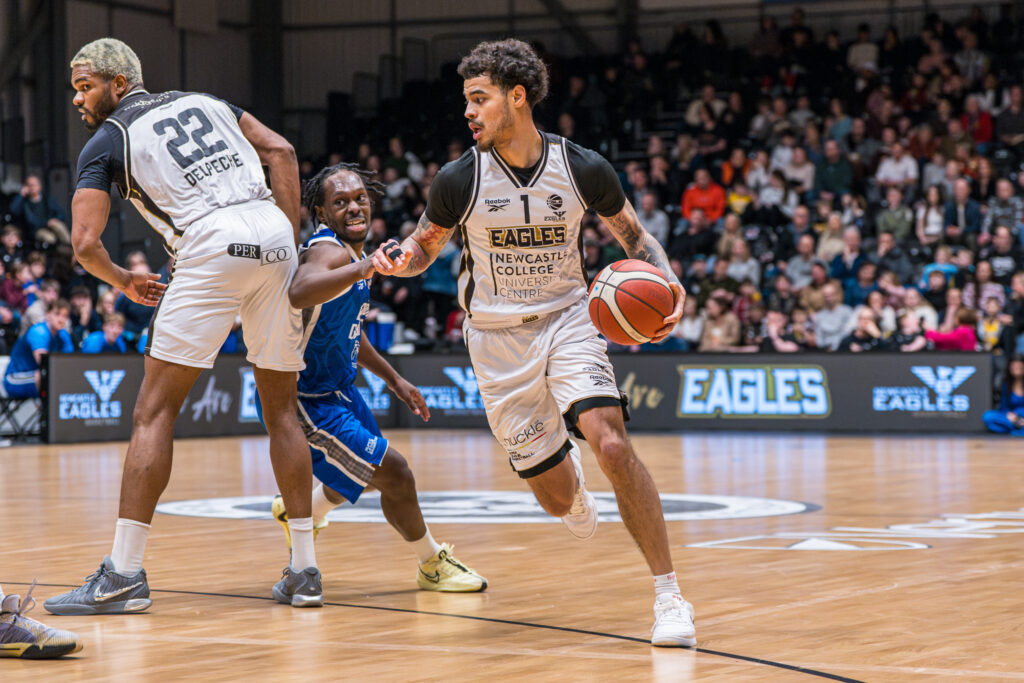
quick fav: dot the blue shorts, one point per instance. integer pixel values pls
(22, 388)
(344, 440)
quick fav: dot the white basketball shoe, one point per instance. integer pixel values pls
(582, 518)
(673, 622)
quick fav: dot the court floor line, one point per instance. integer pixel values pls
(911, 583)
(508, 622)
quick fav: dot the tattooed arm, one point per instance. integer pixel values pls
(640, 245)
(418, 250)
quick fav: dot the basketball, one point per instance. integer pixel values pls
(629, 301)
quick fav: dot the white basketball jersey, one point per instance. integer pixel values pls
(522, 254)
(185, 156)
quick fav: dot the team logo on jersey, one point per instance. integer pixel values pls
(527, 237)
(554, 202)
(496, 205)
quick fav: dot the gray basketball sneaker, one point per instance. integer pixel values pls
(300, 589)
(104, 592)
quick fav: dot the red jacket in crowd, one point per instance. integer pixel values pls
(963, 338)
(711, 199)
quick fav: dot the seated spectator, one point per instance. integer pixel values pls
(943, 263)
(776, 338)
(739, 198)
(11, 291)
(782, 298)
(896, 218)
(704, 194)
(835, 320)
(798, 268)
(977, 123)
(891, 288)
(993, 335)
(799, 172)
(84, 318)
(856, 292)
(983, 287)
(22, 377)
(897, 170)
(885, 315)
(693, 237)
(935, 292)
(775, 202)
(36, 212)
(107, 303)
(735, 169)
(758, 175)
(136, 316)
(947, 314)
(690, 328)
(962, 217)
(865, 336)
(752, 330)
(742, 266)
(109, 339)
(48, 292)
(846, 264)
(889, 257)
(11, 248)
(721, 327)
(915, 304)
(1004, 255)
(731, 231)
(833, 177)
(910, 337)
(934, 171)
(1008, 418)
(801, 327)
(654, 220)
(931, 216)
(963, 259)
(1005, 209)
(718, 284)
(812, 295)
(28, 284)
(862, 53)
(963, 338)
(831, 244)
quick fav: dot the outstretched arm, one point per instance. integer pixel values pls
(640, 245)
(416, 252)
(325, 271)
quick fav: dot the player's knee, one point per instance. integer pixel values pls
(394, 474)
(614, 454)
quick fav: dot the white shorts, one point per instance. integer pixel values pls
(536, 378)
(237, 261)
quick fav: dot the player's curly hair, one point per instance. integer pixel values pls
(313, 189)
(508, 63)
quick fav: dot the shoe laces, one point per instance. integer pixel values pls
(672, 610)
(579, 502)
(25, 605)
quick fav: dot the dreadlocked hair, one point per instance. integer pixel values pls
(313, 189)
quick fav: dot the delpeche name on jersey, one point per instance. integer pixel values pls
(212, 167)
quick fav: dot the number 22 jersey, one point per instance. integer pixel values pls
(177, 156)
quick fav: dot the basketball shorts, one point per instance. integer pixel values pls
(235, 262)
(344, 440)
(536, 378)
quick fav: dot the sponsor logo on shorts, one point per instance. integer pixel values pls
(527, 237)
(276, 255)
(518, 444)
(371, 444)
(497, 507)
(244, 250)
(530, 318)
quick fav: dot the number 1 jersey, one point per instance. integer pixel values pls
(176, 155)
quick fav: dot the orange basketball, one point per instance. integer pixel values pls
(629, 301)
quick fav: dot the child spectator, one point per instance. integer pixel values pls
(721, 327)
(910, 336)
(109, 339)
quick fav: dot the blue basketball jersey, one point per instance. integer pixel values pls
(333, 330)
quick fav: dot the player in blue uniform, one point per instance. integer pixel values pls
(332, 286)
(21, 379)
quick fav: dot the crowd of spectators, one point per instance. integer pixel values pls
(839, 193)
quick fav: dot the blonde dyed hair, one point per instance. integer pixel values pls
(108, 57)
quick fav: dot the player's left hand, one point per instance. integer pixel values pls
(389, 258)
(411, 397)
(670, 322)
(145, 288)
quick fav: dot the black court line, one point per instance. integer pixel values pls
(508, 622)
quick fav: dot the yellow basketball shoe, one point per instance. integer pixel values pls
(281, 515)
(26, 638)
(443, 572)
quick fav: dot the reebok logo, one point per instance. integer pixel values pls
(104, 382)
(496, 205)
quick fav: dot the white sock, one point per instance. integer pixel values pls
(321, 504)
(130, 539)
(665, 584)
(303, 554)
(426, 547)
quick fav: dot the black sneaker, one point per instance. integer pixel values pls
(300, 589)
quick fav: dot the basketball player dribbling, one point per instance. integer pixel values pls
(518, 198)
(192, 165)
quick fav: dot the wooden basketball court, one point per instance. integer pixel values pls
(905, 563)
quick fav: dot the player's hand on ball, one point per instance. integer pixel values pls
(411, 397)
(389, 258)
(145, 288)
(673, 318)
